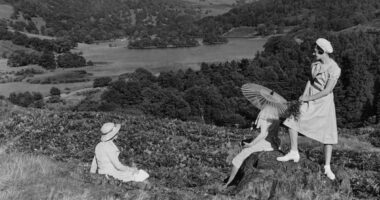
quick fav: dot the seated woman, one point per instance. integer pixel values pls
(106, 159)
(268, 121)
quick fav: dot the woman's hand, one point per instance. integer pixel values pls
(244, 145)
(135, 170)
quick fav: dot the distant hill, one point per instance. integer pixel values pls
(271, 16)
(89, 20)
(170, 21)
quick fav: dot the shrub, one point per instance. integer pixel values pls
(374, 138)
(108, 106)
(47, 60)
(87, 104)
(37, 96)
(90, 63)
(123, 93)
(38, 104)
(26, 99)
(102, 82)
(29, 71)
(21, 58)
(54, 99)
(70, 60)
(55, 91)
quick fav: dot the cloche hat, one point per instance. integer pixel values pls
(325, 45)
(109, 130)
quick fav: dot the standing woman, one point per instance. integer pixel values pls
(317, 119)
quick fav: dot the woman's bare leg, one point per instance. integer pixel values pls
(293, 135)
(328, 152)
(232, 175)
(293, 154)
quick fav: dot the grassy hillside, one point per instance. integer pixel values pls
(186, 160)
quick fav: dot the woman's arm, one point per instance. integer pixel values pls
(263, 134)
(328, 89)
(118, 165)
(94, 165)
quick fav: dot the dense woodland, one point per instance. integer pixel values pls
(213, 94)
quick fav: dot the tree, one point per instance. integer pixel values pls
(31, 27)
(21, 58)
(359, 83)
(174, 105)
(63, 45)
(143, 76)
(205, 102)
(70, 60)
(165, 102)
(169, 79)
(20, 39)
(47, 60)
(21, 99)
(123, 93)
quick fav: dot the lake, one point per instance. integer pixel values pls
(113, 59)
(119, 59)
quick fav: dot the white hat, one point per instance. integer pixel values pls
(109, 130)
(325, 45)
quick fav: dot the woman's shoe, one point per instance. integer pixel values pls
(292, 155)
(329, 173)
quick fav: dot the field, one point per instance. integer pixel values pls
(65, 80)
(5, 11)
(185, 160)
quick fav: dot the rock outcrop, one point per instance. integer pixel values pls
(263, 177)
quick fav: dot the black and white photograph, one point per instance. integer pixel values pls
(189, 99)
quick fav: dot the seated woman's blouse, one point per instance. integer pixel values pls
(106, 158)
